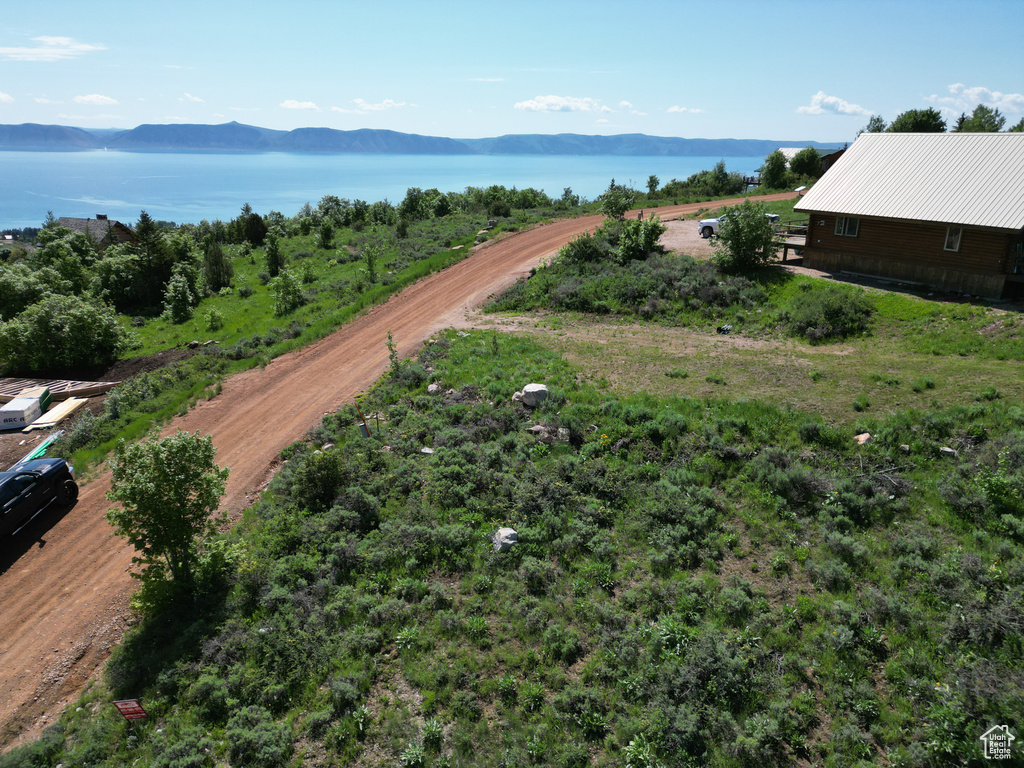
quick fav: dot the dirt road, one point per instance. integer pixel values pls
(64, 593)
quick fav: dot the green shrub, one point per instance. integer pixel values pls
(823, 311)
(287, 293)
(581, 249)
(214, 319)
(562, 644)
(179, 300)
(255, 740)
(189, 748)
(639, 238)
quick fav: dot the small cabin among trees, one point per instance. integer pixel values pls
(942, 209)
(102, 230)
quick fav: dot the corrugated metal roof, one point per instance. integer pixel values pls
(971, 179)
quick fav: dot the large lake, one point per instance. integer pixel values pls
(189, 187)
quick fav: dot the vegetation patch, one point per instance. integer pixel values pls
(695, 581)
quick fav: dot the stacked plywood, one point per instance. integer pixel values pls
(57, 414)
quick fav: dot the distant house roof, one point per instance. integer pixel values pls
(970, 179)
(105, 231)
(790, 152)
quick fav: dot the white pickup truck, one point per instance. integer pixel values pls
(709, 227)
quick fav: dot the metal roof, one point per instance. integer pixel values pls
(970, 179)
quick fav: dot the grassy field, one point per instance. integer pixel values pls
(886, 372)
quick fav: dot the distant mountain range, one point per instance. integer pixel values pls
(236, 137)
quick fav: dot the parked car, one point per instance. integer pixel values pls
(709, 227)
(29, 488)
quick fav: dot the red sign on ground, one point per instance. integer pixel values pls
(130, 709)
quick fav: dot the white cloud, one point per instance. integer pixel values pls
(6, 98)
(362, 106)
(821, 103)
(677, 109)
(293, 104)
(49, 49)
(94, 98)
(386, 104)
(193, 99)
(43, 100)
(602, 120)
(562, 104)
(964, 99)
(627, 105)
(488, 79)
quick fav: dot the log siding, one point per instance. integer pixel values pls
(913, 251)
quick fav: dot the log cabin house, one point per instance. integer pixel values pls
(945, 210)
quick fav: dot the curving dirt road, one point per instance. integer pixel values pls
(64, 589)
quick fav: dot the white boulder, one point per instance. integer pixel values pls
(534, 394)
(504, 538)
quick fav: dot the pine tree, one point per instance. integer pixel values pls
(217, 267)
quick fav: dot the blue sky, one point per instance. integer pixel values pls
(731, 69)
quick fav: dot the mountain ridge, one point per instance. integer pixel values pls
(238, 137)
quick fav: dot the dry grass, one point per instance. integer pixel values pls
(821, 379)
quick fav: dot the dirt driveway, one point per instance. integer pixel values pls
(64, 590)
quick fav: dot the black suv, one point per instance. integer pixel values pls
(29, 488)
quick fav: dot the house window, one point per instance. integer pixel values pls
(952, 239)
(847, 226)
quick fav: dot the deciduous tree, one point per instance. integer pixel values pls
(982, 120)
(287, 293)
(875, 125)
(806, 162)
(746, 239)
(61, 333)
(616, 200)
(325, 235)
(168, 489)
(773, 172)
(918, 121)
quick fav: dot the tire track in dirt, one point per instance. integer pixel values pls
(64, 600)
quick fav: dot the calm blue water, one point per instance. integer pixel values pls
(191, 187)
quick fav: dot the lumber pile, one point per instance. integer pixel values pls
(60, 389)
(56, 415)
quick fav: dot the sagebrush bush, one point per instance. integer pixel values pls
(823, 311)
(256, 740)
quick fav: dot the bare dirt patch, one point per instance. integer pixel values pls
(16, 444)
(681, 236)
